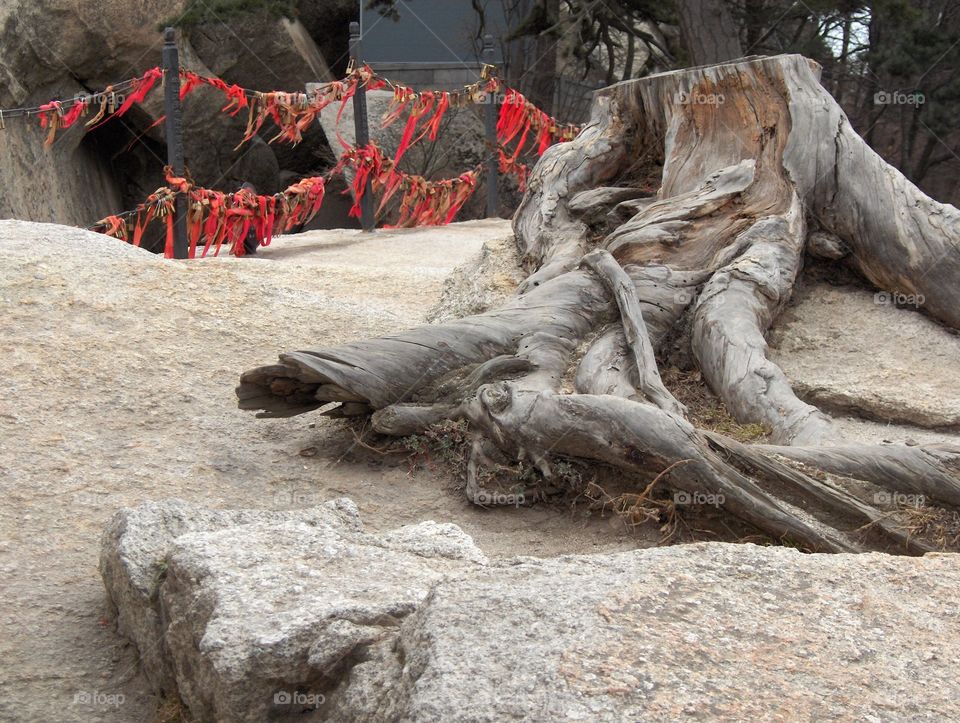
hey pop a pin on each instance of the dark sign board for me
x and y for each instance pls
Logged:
(432, 32)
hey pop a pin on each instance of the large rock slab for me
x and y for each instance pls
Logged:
(484, 282)
(118, 388)
(272, 615)
(851, 351)
(133, 562)
(708, 631)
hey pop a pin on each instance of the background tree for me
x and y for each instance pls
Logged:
(893, 65)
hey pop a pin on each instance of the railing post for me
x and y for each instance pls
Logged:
(367, 220)
(174, 129)
(490, 132)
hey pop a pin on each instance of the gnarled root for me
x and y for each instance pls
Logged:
(754, 483)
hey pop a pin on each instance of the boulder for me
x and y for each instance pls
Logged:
(96, 43)
(483, 283)
(68, 182)
(60, 48)
(328, 24)
(252, 615)
(265, 53)
(53, 50)
(133, 562)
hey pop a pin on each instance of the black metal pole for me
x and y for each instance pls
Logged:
(174, 128)
(367, 220)
(490, 131)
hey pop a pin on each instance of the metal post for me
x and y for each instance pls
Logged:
(171, 99)
(490, 132)
(367, 220)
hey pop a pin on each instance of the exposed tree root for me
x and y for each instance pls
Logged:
(634, 330)
(569, 366)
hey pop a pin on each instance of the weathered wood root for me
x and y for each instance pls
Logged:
(426, 365)
(731, 315)
(754, 483)
(635, 333)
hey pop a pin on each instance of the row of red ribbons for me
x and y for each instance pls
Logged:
(519, 120)
(216, 219)
(422, 202)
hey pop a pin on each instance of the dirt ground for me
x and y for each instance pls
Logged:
(118, 387)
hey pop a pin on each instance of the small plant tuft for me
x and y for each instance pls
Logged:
(446, 444)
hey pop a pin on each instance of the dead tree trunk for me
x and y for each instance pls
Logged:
(747, 157)
(708, 30)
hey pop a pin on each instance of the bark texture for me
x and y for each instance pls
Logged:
(708, 30)
(750, 160)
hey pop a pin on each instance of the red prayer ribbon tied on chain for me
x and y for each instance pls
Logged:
(215, 218)
(423, 202)
(53, 117)
(518, 116)
(291, 113)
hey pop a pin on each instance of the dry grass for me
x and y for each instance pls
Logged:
(706, 410)
(636, 510)
(171, 710)
(445, 445)
(934, 525)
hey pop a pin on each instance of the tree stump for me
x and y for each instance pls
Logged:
(684, 207)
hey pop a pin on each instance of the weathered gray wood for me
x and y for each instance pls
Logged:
(733, 312)
(401, 420)
(750, 151)
(595, 203)
(550, 237)
(635, 333)
(932, 470)
(641, 439)
(608, 366)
